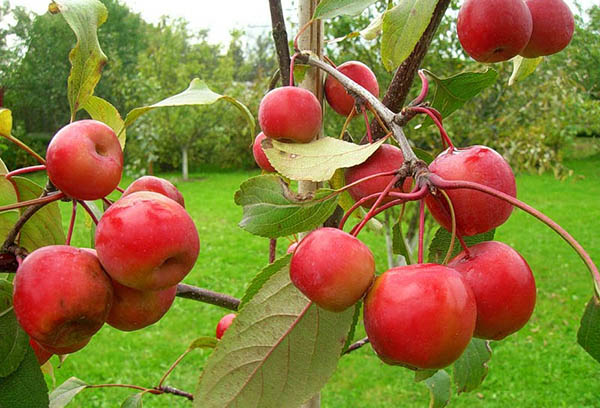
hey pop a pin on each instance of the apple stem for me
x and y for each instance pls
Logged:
(453, 231)
(364, 112)
(106, 202)
(40, 200)
(464, 246)
(424, 89)
(89, 211)
(329, 61)
(272, 249)
(436, 119)
(292, 62)
(120, 190)
(26, 148)
(356, 345)
(71, 223)
(172, 367)
(25, 170)
(383, 126)
(443, 184)
(369, 215)
(347, 122)
(421, 229)
(302, 29)
(362, 180)
(135, 387)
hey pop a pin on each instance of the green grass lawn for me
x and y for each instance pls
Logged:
(541, 366)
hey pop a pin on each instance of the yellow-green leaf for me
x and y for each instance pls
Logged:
(523, 67)
(103, 111)
(5, 122)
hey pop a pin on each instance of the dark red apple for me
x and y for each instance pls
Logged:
(62, 296)
(84, 160)
(147, 241)
(41, 354)
(494, 30)
(476, 212)
(420, 316)
(337, 97)
(156, 184)
(553, 26)
(259, 154)
(503, 285)
(290, 113)
(224, 324)
(332, 268)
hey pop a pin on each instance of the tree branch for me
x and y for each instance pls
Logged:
(281, 40)
(175, 391)
(207, 296)
(356, 346)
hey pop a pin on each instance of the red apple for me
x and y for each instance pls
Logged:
(62, 296)
(224, 324)
(332, 268)
(290, 113)
(553, 26)
(42, 354)
(134, 309)
(476, 212)
(259, 154)
(420, 316)
(65, 350)
(386, 158)
(147, 241)
(494, 30)
(340, 100)
(503, 285)
(84, 160)
(156, 184)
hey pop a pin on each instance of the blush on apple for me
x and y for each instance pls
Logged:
(156, 184)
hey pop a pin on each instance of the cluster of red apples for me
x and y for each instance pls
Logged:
(498, 30)
(145, 244)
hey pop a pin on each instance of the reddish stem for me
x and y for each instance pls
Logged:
(26, 148)
(292, 61)
(362, 180)
(329, 61)
(89, 211)
(369, 135)
(439, 182)
(417, 195)
(72, 223)
(438, 123)
(424, 89)
(369, 215)
(421, 229)
(25, 170)
(272, 250)
(302, 29)
(41, 200)
(463, 244)
(120, 190)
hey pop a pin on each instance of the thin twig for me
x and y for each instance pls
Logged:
(178, 392)
(281, 39)
(207, 296)
(356, 346)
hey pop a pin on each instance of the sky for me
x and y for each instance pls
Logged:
(220, 16)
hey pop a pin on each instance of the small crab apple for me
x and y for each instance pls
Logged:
(553, 26)
(62, 296)
(60, 351)
(158, 185)
(386, 158)
(476, 212)
(41, 354)
(420, 316)
(84, 160)
(290, 113)
(493, 30)
(259, 154)
(332, 268)
(147, 241)
(337, 97)
(503, 285)
(224, 324)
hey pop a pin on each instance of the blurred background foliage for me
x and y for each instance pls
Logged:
(533, 123)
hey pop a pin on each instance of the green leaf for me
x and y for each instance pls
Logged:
(317, 160)
(5, 126)
(133, 401)
(345, 199)
(441, 242)
(352, 331)
(471, 368)
(25, 387)
(398, 243)
(102, 110)
(588, 335)
(522, 68)
(272, 210)
(203, 342)
(278, 352)
(262, 277)
(423, 155)
(403, 26)
(453, 92)
(197, 93)
(332, 8)
(45, 226)
(64, 393)
(6, 291)
(422, 375)
(374, 28)
(8, 195)
(14, 342)
(439, 389)
(87, 59)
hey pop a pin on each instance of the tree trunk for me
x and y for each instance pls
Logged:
(184, 163)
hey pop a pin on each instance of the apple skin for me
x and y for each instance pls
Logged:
(259, 154)
(476, 212)
(42, 354)
(60, 351)
(290, 113)
(133, 309)
(503, 285)
(62, 296)
(494, 30)
(147, 241)
(84, 160)
(337, 97)
(224, 324)
(553, 26)
(420, 316)
(386, 158)
(332, 268)
(158, 185)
